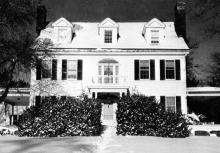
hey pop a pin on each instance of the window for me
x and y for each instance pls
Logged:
(170, 104)
(154, 36)
(62, 35)
(170, 69)
(72, 69)
(108, 36)
(144, 67)
(46, 69)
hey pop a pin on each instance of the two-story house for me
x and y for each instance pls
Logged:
(110, 58)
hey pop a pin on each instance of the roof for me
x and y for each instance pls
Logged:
(130, 37)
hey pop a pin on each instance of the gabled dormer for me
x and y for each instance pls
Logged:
(108, 31)
(63, 30)
(153, 31)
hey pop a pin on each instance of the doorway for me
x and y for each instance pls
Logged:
(108, 101)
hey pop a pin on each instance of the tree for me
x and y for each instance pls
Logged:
(214, 78)
(17, 41)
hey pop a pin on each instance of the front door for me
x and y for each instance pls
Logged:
(108, 101)
(108, 112)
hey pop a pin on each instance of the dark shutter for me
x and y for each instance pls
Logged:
(136, 69)
(162, 69)
(178, 104)
(38, 70)
(64, 69)
(152, 69)
(177, 65)
(80, 70)
(54, 69)
(37, 101)
(162, 102)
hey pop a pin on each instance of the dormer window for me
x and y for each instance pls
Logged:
(108, 31)
(154, 36)
(63, 31)
(62, 35)
(108, 36)
(153, 32)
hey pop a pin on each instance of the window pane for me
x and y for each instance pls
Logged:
(170, 104)
(116, 70)
(62, 34)
(46, 70)
(72, 70)
(100, 70)
(108, 36)
(108, 79)
(154, 36)
(108, 70)
(144, 69)
(170, 69)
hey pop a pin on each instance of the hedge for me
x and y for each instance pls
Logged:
(62, 117)
(144, 116)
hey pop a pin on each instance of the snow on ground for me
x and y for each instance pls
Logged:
(110, 143)
(14, 144)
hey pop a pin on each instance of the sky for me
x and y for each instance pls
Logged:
(138, 10)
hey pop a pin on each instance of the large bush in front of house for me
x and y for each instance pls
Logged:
(62, 117)
(140, 115)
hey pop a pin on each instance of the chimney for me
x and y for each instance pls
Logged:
(180, 19)
(41, 19)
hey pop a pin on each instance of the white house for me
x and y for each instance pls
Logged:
(110, 58)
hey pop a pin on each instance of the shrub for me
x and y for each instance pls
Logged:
(62, 117)
(140, 115)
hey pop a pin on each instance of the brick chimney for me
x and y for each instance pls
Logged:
(180, 19)
(41, 18)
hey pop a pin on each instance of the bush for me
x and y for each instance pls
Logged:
(140, 115)
(62, 117)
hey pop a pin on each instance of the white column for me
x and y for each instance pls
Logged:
(184, 104)
(115, 107)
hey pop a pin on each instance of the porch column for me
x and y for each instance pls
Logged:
(115, 107)
(12, 114)
(184, 104)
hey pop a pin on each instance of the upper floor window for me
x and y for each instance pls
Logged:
(170, 104)
(170, 69)
(108, 71)
(46, 69)
(144, 67)
(154, 36)
(72, 69)
(108, 36)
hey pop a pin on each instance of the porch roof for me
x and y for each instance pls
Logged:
(203, 91)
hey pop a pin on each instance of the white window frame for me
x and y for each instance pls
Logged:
(50, 64)
(166, 70)
(72, 70)
(155, 40)
(166, 106)
(140, 70)
(107, 37)
(101, 75)
(65, 37)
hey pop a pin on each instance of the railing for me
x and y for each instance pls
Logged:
(108, 80)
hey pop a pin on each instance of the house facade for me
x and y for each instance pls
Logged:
(113, 58)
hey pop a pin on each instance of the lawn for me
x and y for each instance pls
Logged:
(114, 144)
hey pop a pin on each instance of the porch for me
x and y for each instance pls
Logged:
(13, 106)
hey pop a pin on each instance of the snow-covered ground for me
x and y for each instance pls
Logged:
(111, 144)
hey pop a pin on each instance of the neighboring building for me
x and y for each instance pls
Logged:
(110, 58)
